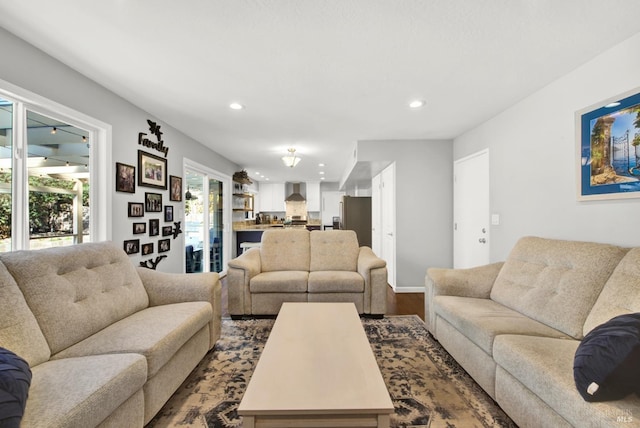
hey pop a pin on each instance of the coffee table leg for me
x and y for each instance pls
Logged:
(250, 421)
(384, 421)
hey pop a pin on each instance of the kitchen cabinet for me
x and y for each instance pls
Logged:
(313, 196)
(271, 196)
(330, 206)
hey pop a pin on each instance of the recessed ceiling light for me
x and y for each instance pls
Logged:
(236, 106)
(320, 164)
(321, 178)
(321, 172)
(614, 104)
(416, 103)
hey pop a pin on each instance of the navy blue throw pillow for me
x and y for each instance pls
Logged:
(15, 379)
(607, 362)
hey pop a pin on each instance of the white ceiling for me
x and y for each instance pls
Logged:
(320, 75)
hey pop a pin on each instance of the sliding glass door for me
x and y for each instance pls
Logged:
(207, 238)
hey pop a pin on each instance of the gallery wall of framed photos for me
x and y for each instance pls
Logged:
(152, 219)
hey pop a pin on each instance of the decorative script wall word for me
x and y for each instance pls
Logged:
(154, 128)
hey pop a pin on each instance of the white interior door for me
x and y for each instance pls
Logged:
(388, 212)
(471, 210)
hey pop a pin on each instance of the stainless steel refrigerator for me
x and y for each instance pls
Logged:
(355, 214)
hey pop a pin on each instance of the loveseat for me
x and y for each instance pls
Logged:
(295, 265)
(515, 326)
(107, 343)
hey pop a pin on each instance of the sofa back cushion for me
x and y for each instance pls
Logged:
(19, 330)
(620, 294)
(334, 250)
(285, 249)
(555, 282)
(78, 290)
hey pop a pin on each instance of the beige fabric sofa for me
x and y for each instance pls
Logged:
(515, 326)
(107, 343)
(295, 265)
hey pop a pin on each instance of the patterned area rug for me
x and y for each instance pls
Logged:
(427, 387)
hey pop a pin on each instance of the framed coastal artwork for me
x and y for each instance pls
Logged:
(608, 139)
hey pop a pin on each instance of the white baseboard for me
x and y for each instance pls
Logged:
(417, 289)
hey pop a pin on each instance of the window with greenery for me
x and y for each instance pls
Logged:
(46, 163)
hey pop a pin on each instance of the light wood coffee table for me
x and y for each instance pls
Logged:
(317, 369)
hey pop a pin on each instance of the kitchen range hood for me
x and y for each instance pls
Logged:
(295, 196)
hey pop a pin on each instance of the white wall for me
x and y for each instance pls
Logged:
(31, 69)
(424, 204)
(533, 158)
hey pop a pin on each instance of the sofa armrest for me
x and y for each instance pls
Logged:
(239, 273)
(167, 288)
(374, 271)
(472, 282)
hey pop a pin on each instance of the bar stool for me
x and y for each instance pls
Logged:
(244, 246)
(215, 261)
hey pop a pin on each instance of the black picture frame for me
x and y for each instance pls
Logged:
(167, 230)
(153, 202)
(164, 245)
(131, 246)
(175, 188)
(152, 170)
(154, 227)
(125, 178)
(147, 249)
(139, 228)
(135, 209)
(168, 213)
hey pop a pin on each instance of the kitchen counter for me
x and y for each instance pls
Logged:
(253, 232)
(255, 226)
(245, 227)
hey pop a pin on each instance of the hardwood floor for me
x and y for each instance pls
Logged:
(397, 303)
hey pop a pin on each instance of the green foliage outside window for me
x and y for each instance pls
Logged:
(48, 212)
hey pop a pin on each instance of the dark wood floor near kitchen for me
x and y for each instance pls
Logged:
(397, 303)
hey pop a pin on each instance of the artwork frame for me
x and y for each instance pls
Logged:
(147, 249)
(152, 170)
(608, 148)
(153, 202)
(139, 228)
(135, 209)
(125, 178)
(167, 230)
(175, 188)
(154, 227)
(164, 245)
(131, 246)
(168, 213)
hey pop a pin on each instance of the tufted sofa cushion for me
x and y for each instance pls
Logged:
(621, 293)
(19, 330)
(89, 289)
(283, 250)
(555, 282)
(324, 255)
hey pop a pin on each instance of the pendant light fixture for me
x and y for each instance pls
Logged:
(188, 196)
(291, 159)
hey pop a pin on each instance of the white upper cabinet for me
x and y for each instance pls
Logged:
(271, 197)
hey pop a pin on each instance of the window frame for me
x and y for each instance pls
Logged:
(100, 173)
